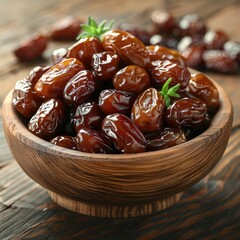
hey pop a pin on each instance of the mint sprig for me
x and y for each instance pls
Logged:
(167, 92)
(92, 29)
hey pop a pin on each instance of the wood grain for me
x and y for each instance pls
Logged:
(118, 185)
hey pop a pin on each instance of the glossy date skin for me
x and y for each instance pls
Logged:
(88, 115)
(65, 141)
(168, 137)
(162, 53)
(163, 70)
(116, 101)
(91, 141)
(48, 120)
(130, 48)
(201, 87)
(25, 100)
(84, 50)
(52, 83)
(125, 135)
(80, 88)
(36, 73)
(131, 79)
(148, 111)
(105, 65)
(187, 112)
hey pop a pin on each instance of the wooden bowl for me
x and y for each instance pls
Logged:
(108, 185)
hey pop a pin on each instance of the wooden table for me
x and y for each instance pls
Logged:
(208, 210)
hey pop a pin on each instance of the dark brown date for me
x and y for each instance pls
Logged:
(164, 22)
(125, 135)
(128, 47)
(65, 141)
(91, 141)
(36, 73)
(220, 61)
(186, 112)
(105, 65)
(88, 115)
(192, 25)
(166, 41)
(31, 48)
(202, 87)
(233, 50)
(116, 101)
(194, 55)
(148, 111)
(52, 83)
(84, 50)
(25, 100)
(162, 53)
(163, 70)
(66, 29)
(58, 55)
(131, 79)
(215, 39)
(48, 119)
(80, 88)
(167, 138)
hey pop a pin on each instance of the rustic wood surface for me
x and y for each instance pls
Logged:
(208, 210)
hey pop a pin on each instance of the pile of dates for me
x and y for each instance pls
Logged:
(109, 93)
(202, 48)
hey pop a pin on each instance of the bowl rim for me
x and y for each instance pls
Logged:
(16, 127)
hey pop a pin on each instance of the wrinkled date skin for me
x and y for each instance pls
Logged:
(48, 119)
(25, 100)
(168, 137)
(88, 115)
(215, 39)
(66, 29)
(58, 55)
(148, 111)
(163, 70)
(192, 25)
(52, 83)
(220, 61)
(201, 87)
(125, 135)
(91, 141)
(80, 88)
(84, 50)
(131, 79)
(36, 73)
(163, 22)
(187, 112)
(130, 48)
(116, 101)
(162, 53)
(31, 48)
(105, 65)
(194, 55)
(65, 141)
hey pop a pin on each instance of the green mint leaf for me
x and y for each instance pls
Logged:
(167, 92)
(92, 22)
(92, 29)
